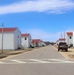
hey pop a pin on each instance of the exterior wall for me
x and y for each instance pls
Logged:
(68, 40)
(73, 38)
(29, 41)
(43, 44)
(60, 41)
(10, 40)
(26, 43)
(7, 41)
(36, 44)
(57, 43)
(40, 44)
(17, 39)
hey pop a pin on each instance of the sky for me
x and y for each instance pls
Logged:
(43, 19)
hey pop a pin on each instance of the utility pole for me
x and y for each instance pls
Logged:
(64, 36)
(2, 35)
(61, 35)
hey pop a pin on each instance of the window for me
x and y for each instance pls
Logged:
(70, 37)
(25, 38)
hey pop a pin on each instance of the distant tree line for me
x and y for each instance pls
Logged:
(49, 43)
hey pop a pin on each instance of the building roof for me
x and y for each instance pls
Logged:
(70, 33)
(25, 35)
(57, 41)
(36, 40)
(8, 29)
(62, 39)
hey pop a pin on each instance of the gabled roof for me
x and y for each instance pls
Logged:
(36, 41)
(25, 35)
(57, 41)
(8, 29)
(70, 33)
(62, 39)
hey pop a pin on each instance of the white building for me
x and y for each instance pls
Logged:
(37, 42)
(11, 38)
(60, 40)
(70, 38)
(43, 44)
(26, 40)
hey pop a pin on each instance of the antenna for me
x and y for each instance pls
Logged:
(61, 35)
(64, 35)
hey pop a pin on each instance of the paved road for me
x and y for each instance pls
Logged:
(42, 61)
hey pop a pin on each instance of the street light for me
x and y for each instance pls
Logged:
(2, 35)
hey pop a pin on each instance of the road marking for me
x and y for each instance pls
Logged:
(58, 60)
(60, 53)
(36, 61)
(63, 55)
(1, 62)
(39, 61)
(18, 61)
(54, 47)
(68, 62)
(64, 61)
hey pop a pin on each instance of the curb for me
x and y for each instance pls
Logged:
(8, 54)
(3, 56)
(16, 52)
(13, 53)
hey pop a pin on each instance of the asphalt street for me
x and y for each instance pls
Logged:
(41, 61)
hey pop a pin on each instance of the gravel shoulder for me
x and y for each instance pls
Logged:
(68, 55)
(7, 53)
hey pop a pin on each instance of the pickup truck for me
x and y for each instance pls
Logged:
(63, 46)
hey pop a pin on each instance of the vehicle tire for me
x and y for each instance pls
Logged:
(58, 49)
(66, 50)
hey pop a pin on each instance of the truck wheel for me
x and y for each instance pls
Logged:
(58, 49)
(66, 50)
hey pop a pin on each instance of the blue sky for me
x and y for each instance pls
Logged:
(44, 19)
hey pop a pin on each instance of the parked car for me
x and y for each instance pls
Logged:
(63, 46)
(31, 46)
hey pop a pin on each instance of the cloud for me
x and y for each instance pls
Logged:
(37, 33)
(46, 36)
(50, 6)
(41, 34)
